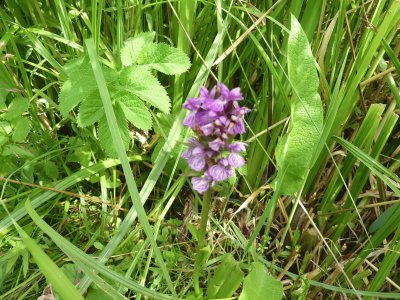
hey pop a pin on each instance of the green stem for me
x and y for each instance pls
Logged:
(201, 241)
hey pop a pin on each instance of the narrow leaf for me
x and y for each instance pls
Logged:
(119, 146)
(295, 151)
(164, 58)
(49, 269)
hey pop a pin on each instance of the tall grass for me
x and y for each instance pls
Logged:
(126, 228)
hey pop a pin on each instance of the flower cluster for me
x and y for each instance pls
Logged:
(216, 118)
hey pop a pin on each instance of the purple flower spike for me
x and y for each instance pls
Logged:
(216, 118)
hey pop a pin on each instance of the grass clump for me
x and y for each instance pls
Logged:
(94, 191)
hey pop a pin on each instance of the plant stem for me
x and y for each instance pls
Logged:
(201, 241)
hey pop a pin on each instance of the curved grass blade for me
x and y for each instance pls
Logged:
(119, 145)
(49, 269)
(78, 255)
(64, 184)
(164, 154)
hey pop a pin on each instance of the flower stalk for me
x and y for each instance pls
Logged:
(216, 119)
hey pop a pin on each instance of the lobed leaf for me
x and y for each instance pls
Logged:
(105, 134)
(139, 81)
(81, 84)
(21, 129)
(91, 110)
(134, 109)
(295, 151)
(17, 107)
(133, 47)
(164, 58)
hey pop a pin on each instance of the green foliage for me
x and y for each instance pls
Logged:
(226, 280)
(53, 274)
(130, 87)
(260, 285)
(294, 151)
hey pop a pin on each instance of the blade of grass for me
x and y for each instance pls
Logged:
(78, 255)
(164, 154)
(53, 274)
(117, 140)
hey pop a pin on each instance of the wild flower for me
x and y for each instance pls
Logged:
(216, 118)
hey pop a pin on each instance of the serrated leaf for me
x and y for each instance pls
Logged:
(259, 285)
(139, 81)
(295, 151)
(21, 130)
(134, 109)
(164, 58)
(90, 111)
(133, 46)
(81, 84)
(105, 134)
(17, 107)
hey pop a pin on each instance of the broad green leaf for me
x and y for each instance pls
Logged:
(164, 58)
(139, 81)
(295, 151)
(49, 269)
(133, 46)
(81, 84)
(134, 109)
(226, 280)
(105, 134)
(91, 110)
(21, 129)
(51, 169)
(17, 107)
(260, 285)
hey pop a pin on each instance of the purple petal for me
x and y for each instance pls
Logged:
(235, 94)
(204, 117)
(237, 128)
(187, 154)
(200, 184)
(207, 129)
(198, 151)
(237, 147)
(235, 160)
(190, 120)
(216, 144)
(193, 103)
(215, 105)
(223, 89)
(218, 173)
(196, 163)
